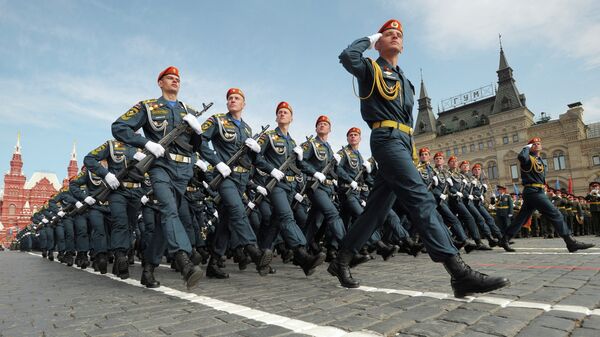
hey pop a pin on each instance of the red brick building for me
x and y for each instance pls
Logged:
(20, 198)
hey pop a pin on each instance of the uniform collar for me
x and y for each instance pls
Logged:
(230, 117)
(280, 133)
(386, 64)
(163, 101)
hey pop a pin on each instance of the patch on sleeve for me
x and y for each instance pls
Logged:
(131, 112)
(98, 149)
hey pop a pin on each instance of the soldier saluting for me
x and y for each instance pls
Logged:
(170, 172)
(386, 105)
(533, 176)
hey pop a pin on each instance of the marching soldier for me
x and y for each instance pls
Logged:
(171, 170)
(318, 154)
(479, 189)
(533, 175)
(593, 199)
(276, 146)
(124, 200)
(388, 112)
(457, 205)
(82, 187)
(504, 208)
(228, 133)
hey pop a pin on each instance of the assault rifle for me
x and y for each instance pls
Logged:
(216, 181)
(138, 170)
(271, 184)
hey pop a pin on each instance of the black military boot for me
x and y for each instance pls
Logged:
(50, 255)
(340, 268)
(386, 251)
(505, 243)
(44, 254)
(307, 262)
(261, 258)
(148, 276)
(191, 273)
(481, 246)
(111, 257)
(466, 281)
(287, 255)
(469, 246)
(131, 256)
(241, 258)
(411, 247)
(331, 254)
(84, 260)
(493, 242)
(195, 257)
(574, 245)
(121, 265)
(204, 254)
(101, 262)
(61, 256)
(69, 258)
(213, 270)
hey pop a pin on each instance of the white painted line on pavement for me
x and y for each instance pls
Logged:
(546, 248)
(292, 324)
(499, 301)
(549, 253)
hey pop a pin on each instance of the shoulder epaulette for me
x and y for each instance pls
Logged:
(152, 100)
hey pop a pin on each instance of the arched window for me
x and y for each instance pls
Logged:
(12, 209)
(560, 162)
(492, 170)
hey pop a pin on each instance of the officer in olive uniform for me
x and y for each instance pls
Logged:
(276, 147)
(533, 175)
(171, 170)
(228, 133)
(504, 208)
(386, 105)
(317, 155)
(124, 200)
(593, 199)
(82, 187)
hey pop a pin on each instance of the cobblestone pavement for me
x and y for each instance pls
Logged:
(553, 293)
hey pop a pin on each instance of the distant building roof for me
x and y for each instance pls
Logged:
(37, 176)
(593, 130)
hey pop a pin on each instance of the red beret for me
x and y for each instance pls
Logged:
(353, 129)
(534, 140)
(283, 105)
(439, 154)
(425, 149)
(323, 118)
(475, 166)
(169, 71)
(452, 158)
(464, 162)
(235, 91)
(391, 24)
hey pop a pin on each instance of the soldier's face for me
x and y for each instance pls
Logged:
(439, 161)
(424, 157)
(283, 116)
(537, 147)
(323, 128)
(464, 167)
(169, 83)
(391, 40)
(452, 164)
(235, 103)
(353, 138)
(477, 171)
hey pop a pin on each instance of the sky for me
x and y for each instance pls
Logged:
(70, 68)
